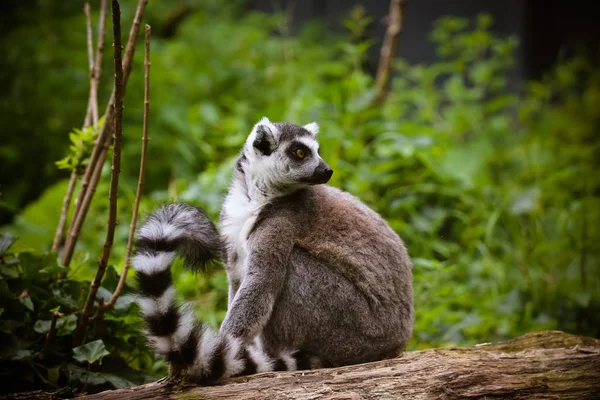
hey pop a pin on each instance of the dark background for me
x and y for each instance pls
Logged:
(544, 27)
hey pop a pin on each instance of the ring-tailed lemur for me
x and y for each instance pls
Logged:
(316, 278)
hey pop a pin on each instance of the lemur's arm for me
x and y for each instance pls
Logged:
(269, 246)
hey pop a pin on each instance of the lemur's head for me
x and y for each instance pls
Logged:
(281, 157)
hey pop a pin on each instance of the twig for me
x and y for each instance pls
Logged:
(83, 200)
(81, 263)
(96, 173)
(64, 210)
(388, 49)
(51, 335)
(41, 377)
(99, 320)
(90, 51)
(116, 169)
(140, 185)
(73, 178)
(584, 234)
(95, 76)
(52, 332)
(92, 109)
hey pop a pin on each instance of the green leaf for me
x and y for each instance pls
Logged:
(21, 354)
(90, 352)
(32, 264)
(26, 301)
(103, 294)
(66, 325)
(10, 272)
(6, 240)
(6, 326)
(124, 302)
(42, 326)
(82, 376)
(77, 374)
(53, 374)
(117, 381)
(582, 298)
(53, 268)
(64, 299)
(525, 201)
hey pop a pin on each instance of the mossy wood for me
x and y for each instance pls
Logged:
(542, 365)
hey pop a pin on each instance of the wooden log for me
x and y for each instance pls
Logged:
(542, 365)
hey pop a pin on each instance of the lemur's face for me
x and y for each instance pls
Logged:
(284, 156)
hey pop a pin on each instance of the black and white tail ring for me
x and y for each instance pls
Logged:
(189, 346)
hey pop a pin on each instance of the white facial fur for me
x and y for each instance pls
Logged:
(278, 171)
(313, 128)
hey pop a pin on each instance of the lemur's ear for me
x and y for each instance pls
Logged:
(264, 139)
(313, 128)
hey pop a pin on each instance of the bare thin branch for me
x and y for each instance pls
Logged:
(95, 76)
(116, 169)
(91, 114)
(97, 172)
(101, 34)
(87, 190)
(584, 234)
(388, 49)
(51, 335)
(90, 44)
(64, 211)
(90, 51)
(140, 184)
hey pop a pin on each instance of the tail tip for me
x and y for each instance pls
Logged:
(183, 228)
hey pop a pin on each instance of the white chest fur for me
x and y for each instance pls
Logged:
(238, 217)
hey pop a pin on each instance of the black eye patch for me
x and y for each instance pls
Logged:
(298, 148)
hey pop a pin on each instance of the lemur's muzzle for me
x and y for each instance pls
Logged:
(322, 173)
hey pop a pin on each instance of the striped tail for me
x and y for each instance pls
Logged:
(190, 347)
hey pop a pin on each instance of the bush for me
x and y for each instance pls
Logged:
(39, 317)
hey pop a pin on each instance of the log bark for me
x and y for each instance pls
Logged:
(542, 365)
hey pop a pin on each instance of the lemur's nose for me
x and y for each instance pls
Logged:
(322, 173)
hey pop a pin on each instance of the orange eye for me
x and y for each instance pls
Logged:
(299, 153)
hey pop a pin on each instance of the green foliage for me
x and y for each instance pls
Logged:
(45, 83)
(82, 142)
(90, 352)
(494, 191)
(39, 317)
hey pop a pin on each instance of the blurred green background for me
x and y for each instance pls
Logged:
(491, 180)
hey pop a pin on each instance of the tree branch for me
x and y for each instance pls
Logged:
(548, 365)
(95, 65)
(98, 63)
(51, 335)
(116, 169)
(62, 221)
(140, 184)
(99, 153)
(90, 51)
(92, 109)
(388, 49)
